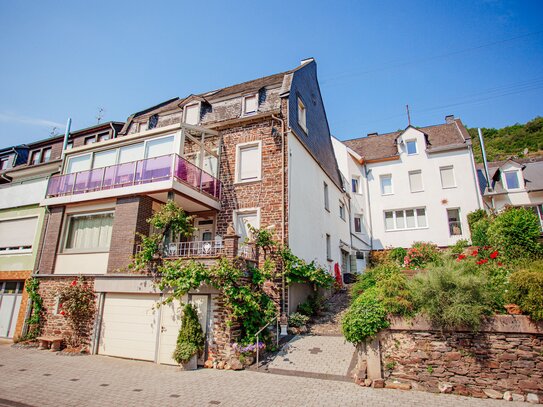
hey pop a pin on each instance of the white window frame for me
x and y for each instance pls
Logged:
(381, 177)
(20, 250)
(518, 180)
(302, 114)
(359, 216)
(405, 219)
(66, 227)
(342, 210)
(199, 104)
(407, 146)
(421, 181)
(447, 167)
(459, 221)
(237, 171)
(38, 154)
(243, 111)
(328, 242)
(326, 196)
(242, 211)
(358, 185)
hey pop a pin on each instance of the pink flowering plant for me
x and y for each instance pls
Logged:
(420, 255)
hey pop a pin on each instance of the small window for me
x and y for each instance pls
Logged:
(248, 162)
(328, 247)
(46, 155)
(411, 147)
(415, 181)
(103, 137)
(342, 210)
(153, 121)
(4, 163)
(355, 185)
(386, 184)
(405, 219)
(89, 232)
(89, 140)
(302, 115)
(250, 104)
(455, 226)
(326, 199)
(511, 179)
(360, 256)
(358, 224)
(243, 219)
(35, 157)
(70, 145)
(192, 114)
(447, 177)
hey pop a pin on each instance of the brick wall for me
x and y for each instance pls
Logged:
(131, 216)
(53, 324)
(20, 276)
(503, 360)
(50, 241)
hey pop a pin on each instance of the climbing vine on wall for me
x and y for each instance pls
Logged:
(33, 321)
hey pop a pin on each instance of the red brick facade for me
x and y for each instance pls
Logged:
(51, 240)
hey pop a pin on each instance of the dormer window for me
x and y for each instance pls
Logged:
(302, 115)
(4, 163)
(512, 179)
(411, 146)
(192, 114)
(35, 157)
(89, 140)
(153, 121)
(103, 137)
(250, 105)
(46, 154)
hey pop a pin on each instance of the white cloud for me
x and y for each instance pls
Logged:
(32, 121)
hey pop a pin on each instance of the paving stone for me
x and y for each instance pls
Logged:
(197, 388)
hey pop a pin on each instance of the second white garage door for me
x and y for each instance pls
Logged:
(129, 326)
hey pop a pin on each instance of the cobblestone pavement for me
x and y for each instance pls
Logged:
(315, 356)
(29, 377)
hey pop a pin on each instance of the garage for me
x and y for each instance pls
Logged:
(10, 305)
(133, 327)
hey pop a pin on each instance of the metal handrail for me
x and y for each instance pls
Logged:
(276, 318)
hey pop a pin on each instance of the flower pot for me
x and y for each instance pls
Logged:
(192, 364)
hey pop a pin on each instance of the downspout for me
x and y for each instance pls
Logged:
(283, 296)
(368, 204)
(66, 135)
(485, 163)
(114, 131)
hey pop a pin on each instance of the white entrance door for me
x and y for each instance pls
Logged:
(10, 305)
(205, 228)
(129, 326)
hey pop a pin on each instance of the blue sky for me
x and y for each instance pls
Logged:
(481, 60)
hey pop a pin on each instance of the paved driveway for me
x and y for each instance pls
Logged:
(42, 378)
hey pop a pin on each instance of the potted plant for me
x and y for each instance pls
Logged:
(190, 341)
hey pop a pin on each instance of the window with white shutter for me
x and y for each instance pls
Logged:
(17, 234)
(104, 158)
(159, 147)
(79, 163)
(415, 181)
(192, 114)
(250, 104)
(248, 166)
(244, 218)
(447, 177)
(130, 153)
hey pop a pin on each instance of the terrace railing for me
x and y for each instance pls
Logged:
(132, 173)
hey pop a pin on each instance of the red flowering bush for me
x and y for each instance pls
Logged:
(421, 254)
(77, 303)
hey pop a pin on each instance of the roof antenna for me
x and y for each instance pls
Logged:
(100, 114)
(53, 132)
(408, 115)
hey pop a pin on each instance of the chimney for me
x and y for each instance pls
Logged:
(307, 60)
(449, 119)
(372, 134)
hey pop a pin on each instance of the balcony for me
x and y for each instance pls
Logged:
(158, 171)
(204, 249)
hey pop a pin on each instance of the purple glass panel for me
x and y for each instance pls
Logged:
(124, 175)
(60, 185)
(188, 172)
(87, 181)
(154, 169)
(109, 176)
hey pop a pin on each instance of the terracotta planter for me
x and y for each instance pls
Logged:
(192, 364)
(513, 309)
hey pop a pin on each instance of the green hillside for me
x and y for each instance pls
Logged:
(520, 140)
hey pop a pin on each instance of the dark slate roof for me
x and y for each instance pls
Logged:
(532, 170)
(378, 147)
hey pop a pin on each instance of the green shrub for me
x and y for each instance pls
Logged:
(365, 318)
(397, 254)
(526, 290)
(459, 246)
(515, 232)
(297, 320)
(476, 216)
(370, 277)
(479, 232)
(306, 308)
(452, 298)
(190, 340)
(393, 292)
(422, 253)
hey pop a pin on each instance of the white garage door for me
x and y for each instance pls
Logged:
(129, 326)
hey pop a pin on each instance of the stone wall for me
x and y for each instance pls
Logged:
(503, 360)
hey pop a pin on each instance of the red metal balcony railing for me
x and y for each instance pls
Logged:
(135, 173)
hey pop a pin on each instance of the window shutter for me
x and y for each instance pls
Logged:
(81, 163)
(160, 147)
(415, 181)
(447, 177)
(104, 159)
(192, 114)
(131, 153)
(249, 163)
(17, 232)
(251, 104)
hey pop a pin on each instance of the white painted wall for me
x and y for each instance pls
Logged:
(86, 263)
(309, 221)
(23, 193)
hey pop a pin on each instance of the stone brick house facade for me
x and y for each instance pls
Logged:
(227, 156)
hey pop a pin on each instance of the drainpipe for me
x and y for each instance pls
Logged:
(485, 163)
(284, 313)
(114, 131)
(368, 204)
(66, 135)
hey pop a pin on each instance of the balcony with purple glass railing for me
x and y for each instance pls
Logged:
(132, 173)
